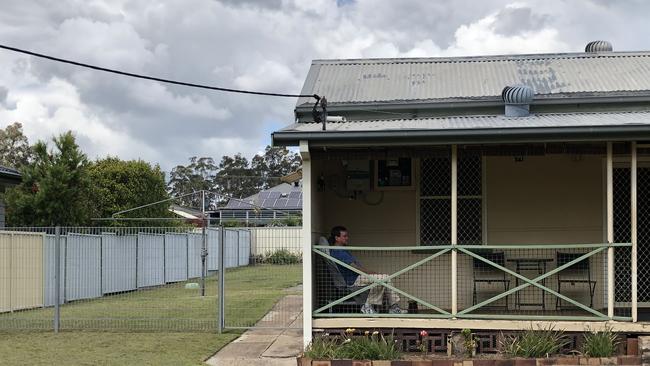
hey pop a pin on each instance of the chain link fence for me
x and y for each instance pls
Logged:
(141, 278)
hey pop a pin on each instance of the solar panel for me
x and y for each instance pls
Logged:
(293, 203)
(282, 202)
(263, 195)
(295, 194)
(275, 195)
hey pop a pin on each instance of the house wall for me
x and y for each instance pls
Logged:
(553, 199)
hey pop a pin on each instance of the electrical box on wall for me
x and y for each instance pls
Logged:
(357, 175)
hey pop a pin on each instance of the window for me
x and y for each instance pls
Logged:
(435, 200)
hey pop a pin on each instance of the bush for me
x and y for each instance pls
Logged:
(540, 342)
(600, 344)
(322, 348)
(282, 256)
(370, 346)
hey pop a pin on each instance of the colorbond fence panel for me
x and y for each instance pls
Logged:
(119, 255)
(231, 248)
(194, 255)
(244, 247)
(213, 249)
(175, 257)
(49, 265)
(83, 267)
(266, 240)
(27, 271)
(151, 260)
(5, 272)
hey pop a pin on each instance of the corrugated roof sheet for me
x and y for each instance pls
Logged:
(482, 122)
(9, 171)
(396, 80)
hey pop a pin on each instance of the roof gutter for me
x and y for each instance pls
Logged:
(464, 136)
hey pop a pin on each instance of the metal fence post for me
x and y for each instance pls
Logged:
(204, 255)
(221, 281)
(57, 281)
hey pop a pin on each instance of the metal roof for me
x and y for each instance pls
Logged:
(432, 79)
(9, 172)
(458, 129)
(281, 197)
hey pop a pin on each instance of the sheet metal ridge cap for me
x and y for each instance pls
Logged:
(483, 58)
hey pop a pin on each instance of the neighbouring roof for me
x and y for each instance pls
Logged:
(10, 173)
(468, 129)
(421, 80)
(281, 197)
(186, 212)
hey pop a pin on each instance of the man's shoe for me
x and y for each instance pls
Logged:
(368, 309)
(395, 309)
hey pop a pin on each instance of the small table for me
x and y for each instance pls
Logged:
(527, 265)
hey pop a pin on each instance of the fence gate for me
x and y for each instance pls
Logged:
(267, 293)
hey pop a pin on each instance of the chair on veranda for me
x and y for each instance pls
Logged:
(484, 273)
(332, 285)
(578, 273)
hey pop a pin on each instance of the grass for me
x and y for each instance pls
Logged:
(187, 319)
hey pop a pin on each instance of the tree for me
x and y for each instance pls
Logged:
(235, 178)
(276, 162)
(15, 151)
(197, 176)
(120, 185)
(55, 189)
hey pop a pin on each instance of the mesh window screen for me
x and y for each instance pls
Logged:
(435, 200)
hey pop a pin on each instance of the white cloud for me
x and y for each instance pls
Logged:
(263, 45)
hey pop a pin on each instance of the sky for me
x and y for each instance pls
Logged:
(264, 45)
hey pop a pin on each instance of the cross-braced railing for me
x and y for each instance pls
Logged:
(543, 282)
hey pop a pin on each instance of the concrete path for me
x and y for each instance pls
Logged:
(274, 347)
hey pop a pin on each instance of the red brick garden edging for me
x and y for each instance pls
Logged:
(590, 361)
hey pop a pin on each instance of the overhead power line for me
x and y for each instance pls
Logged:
(146, 77)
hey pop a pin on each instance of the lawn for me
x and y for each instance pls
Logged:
(166, 325)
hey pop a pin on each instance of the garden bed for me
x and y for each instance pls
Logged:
(542, 346)
(595, 361)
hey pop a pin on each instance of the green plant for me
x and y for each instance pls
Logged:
(540, 342)
(322, 348)
(600, 343)
(283, 256)
(370, 346)
(468, 341)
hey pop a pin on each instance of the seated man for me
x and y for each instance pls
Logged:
(339, 237)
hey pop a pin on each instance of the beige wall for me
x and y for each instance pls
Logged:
(390, 223)
(544, 199)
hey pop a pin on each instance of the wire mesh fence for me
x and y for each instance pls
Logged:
(552, 281)
(271, 281)
(140, 278)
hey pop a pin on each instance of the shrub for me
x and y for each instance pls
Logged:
(540, 342)
(370, 346)
(322, 348)
(283, 256)
(600, 344)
